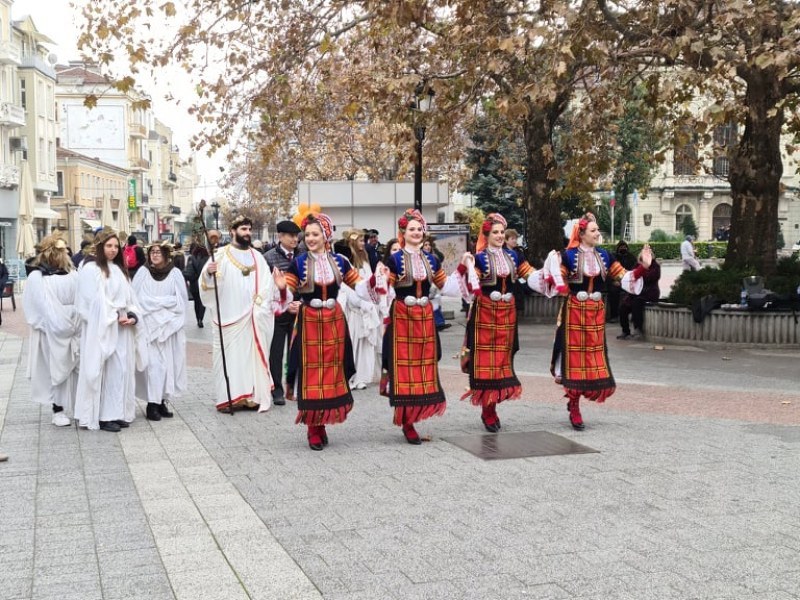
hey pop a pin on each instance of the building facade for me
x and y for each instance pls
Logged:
(84, 184)
(37, 80)
(12, 118)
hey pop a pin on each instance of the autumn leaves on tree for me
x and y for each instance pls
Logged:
(322, 90)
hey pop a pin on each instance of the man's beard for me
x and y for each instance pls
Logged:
(243, 241)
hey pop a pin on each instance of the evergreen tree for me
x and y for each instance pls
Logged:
(494, 160)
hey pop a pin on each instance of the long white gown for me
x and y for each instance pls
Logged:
(366, 330)
(163, 304)
(49, 304)
(110, 352)
(246, 304)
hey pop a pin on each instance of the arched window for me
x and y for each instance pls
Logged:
(683, 211)
(721, 220)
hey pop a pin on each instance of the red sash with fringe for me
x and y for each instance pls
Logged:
(491, 340)
(585, 366)
(413, 388)
(324, 394)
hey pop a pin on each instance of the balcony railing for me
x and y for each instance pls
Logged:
(139, 164)
(138, 131)
(9, 54)
(34, 61)
(9, 177)
(11, 115)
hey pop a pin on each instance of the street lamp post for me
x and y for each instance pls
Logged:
(215, 207)
(423, 103)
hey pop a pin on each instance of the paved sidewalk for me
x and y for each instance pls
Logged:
(694, 493)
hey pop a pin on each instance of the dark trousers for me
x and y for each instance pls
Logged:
(282, 334)
(632, 306)
(613, 301)
(438, 317)
(199, 308)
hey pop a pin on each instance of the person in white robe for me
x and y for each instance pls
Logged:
(49, 304)
(161, 293)
(364, 320)
(112, 346)
(248, 300)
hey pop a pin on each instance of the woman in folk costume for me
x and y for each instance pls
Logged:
(491, 338)
(580, 356)
(49, 303)
(363, 318)
(161, 291)
(411, 348)
(112, 344)
(321, 354)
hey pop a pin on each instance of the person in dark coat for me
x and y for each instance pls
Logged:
(626, 259)
(280, 257)
(633, 305)
(197, 260)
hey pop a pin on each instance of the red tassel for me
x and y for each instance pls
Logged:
(406, 415)
(323, 417)
(487, 397)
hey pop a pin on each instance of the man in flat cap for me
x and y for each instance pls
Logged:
(280, 257)
(247, 299)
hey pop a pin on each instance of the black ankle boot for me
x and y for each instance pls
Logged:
(164, 411)
(153, 412)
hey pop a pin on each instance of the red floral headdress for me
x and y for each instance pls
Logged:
(411, 214)
(578, 228)
(491, 220)
(321, 219)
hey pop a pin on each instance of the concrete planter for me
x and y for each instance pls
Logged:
(541, 309)
(674, 324)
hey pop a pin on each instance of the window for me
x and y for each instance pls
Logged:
(685, 157)
(724, 137)
(23, 95)
(60, 184)
(683, 211)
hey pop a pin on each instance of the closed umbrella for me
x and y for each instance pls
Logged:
(123, 218)
(108, 218)
(26, 238)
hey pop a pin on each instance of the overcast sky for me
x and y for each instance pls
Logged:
(57, 20)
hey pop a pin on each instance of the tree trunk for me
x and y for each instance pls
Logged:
(755, 174)
(544, 228)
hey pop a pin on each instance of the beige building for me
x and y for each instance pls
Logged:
(12, 119)
(114, 132)
(83, 185)
(37, 80)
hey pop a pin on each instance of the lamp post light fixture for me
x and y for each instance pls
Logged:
(423, 102)
(215, 207)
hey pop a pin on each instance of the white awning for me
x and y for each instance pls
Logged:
(179, 218)
(41, 212)
(92, 223)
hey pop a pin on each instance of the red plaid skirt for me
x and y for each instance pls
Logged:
(584, 356)
(411, 357)
(321, 363)
(491, 342)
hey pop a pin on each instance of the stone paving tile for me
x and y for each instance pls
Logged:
(674, 506)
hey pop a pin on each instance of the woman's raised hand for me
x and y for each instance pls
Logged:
(280, 280)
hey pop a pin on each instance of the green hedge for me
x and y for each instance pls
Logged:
(670, 250)
(726, 284)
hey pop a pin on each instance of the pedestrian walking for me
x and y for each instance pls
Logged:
(321, 354)
(411, 347)
(581, 273)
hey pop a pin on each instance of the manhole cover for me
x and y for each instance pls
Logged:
(518, 445)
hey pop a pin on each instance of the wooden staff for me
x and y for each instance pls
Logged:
(200, 210)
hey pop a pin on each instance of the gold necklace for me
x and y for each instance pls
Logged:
(244, 269)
